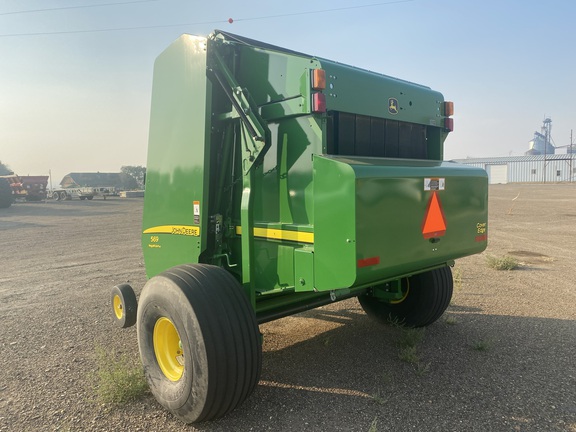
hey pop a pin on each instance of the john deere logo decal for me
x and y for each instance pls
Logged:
(393, 106)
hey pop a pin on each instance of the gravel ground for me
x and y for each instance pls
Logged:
(502, 358)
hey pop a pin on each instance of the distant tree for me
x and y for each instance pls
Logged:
(4, 169)
(128, 182)
(133, 177)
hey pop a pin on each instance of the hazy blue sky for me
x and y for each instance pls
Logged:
(79, 101)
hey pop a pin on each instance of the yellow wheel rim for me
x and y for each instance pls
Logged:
(405, 290)
(118, 307)
(168, 349)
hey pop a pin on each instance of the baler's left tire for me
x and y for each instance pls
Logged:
(199, 341)
(426, 297)
(124, 305)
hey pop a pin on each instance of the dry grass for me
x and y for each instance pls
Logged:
(374, 425)
(505, 262)
(118, 378)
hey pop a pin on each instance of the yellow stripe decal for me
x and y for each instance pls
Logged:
(278, 234)
(185, 230)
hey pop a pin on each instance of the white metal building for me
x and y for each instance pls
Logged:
(552, 168)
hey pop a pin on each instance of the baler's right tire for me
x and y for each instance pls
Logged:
(5, 194)
(426, 297)
(63, 196)
(199, 341)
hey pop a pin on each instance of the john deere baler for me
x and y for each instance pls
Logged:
(278, 182)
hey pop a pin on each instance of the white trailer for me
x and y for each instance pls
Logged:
(68, 193)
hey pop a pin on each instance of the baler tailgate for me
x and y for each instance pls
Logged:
(393, 217)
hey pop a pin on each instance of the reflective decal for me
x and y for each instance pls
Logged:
(393, 106)
(196, 212)
(434, 224)
(185, 230)
(431, 184)
(280, 234)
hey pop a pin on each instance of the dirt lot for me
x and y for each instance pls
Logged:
(502, 358)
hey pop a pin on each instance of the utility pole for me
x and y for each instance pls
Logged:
(571, 157)
(545, 132)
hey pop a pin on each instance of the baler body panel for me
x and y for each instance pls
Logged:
(333, 200)
(284, 182)
(362, 92)
(177, 174)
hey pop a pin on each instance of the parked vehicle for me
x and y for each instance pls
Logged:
(6, 197)
(28, 188)
(82, 193)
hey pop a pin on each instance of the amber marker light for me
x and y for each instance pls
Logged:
(318, 79)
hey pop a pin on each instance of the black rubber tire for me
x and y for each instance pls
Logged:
(6, 198)
(124, 305)
(55, 196)
(428, 297)
(90, 197)
(63, 196)
(219, 337)
(82, 198)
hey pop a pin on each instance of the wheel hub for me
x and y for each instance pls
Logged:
(118, 309)
(168, 349)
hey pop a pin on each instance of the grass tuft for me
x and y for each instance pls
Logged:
(374, 425)
(119, 379)
(481, 345)
(457, 278)
(422, 369)
(410, 337)
(409, 354)
(408, 343)
(379, 399)
(502, 263)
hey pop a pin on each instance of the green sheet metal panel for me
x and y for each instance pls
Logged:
(279, 81)
(393, 202)
(372, 227)
(283, 187)
(334, 224)
(359, 91)
(175, 203)
(303, 269)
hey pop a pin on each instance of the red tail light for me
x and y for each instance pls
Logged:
(318, 102)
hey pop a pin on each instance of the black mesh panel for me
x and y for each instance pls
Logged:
(357, 135)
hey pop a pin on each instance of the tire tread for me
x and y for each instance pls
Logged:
(231, 338)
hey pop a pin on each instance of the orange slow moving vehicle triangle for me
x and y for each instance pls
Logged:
(434, 224)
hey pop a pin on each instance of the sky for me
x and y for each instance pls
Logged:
(75, 81)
